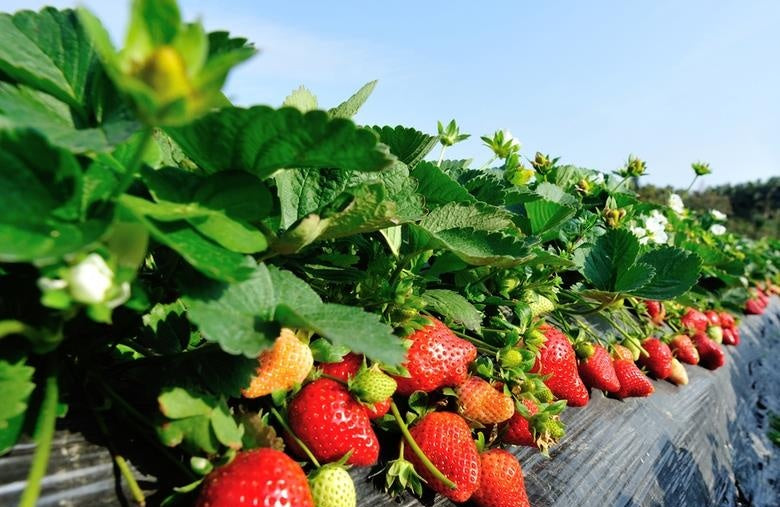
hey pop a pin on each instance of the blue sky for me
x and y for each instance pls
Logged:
(670, 81)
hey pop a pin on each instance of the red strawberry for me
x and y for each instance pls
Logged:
(684, 349)
(597, 371)
(658, 359)
(735, 332)
(710, 354)
(713, 317)
(656, 310)
(730, 337)
(481, 402)
(532, 427)
(633, 383)
(694, 320)
(445, 438)
(344, 369)
(557, 359)
(347, 368)
(331, 423)
(259, 477)
(437, 358)
(502, 483)
(518, 430)
(753, 307)
(727, 320)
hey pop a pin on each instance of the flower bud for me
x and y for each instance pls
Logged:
(90, 280)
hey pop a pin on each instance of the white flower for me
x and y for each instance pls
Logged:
(640, 233)
(675, 202)
(509, 138)
(718, 215)
(90, 280)
(598, 178)
(717, 229)
(658, 237)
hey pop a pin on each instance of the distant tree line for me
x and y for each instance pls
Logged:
(753, 208)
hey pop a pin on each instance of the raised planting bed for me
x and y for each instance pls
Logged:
(701, 444)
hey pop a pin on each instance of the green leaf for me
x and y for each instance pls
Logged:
(299, 306)
(611, 264)
(244, 318)
(548, 212)
(16, 385)
(49, 51)
(473, 246)
(198, 421)
(478, 216)
(349, 107)
(204, 255)
(25, 107)
(676, 271)
(42, 217)
(454, 307)
(238, 316)
(408, 144)
(438, 187)
(302, 99)
(261, 140)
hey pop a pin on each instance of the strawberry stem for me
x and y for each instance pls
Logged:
(479, 343)
(44, 434)
(417, 451)
(297, 440)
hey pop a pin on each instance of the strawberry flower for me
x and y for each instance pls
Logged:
(675, 202)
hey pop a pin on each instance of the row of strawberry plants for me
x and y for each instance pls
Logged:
(229, 283)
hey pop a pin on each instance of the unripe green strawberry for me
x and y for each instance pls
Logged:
(715, 333)
(511, 358)
(331, 486)
(372, 385)
(539, 304)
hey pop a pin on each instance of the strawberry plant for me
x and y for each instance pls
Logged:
(228, 286)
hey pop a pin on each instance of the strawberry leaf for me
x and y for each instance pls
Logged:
(408, 144)
(454, 307)
(262, 140)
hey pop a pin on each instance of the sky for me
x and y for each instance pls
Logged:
(592, 82)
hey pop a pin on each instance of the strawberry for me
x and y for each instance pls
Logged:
(344, 369)
(715, 333)
(597, 371)
(557, 359)
(436, 358)
(445, 438)
(331, 423)
(694, 320)
(658, 359)
(372, 385)
(733, 336)
(678, 376)
(540, 305)
(282, 366)
(684, 349)
(713, 317)
(710, 354)
(258, 477)
(481, 402)
(332, 486)
(502, 483)
(727, 320)
(533, 427)
(753, 307)
(349, 367)
(633, 383)
(656, 310)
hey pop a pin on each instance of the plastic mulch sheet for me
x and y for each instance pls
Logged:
(699, 445)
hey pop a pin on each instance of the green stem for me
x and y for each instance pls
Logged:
(619, 329)
(441, 155)
(695, 177)
(135, 489)
(121, 463)
(135, 162)
(44, 434)
(475, 341)
(10, 327)
(292, 434)
(417, 451)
